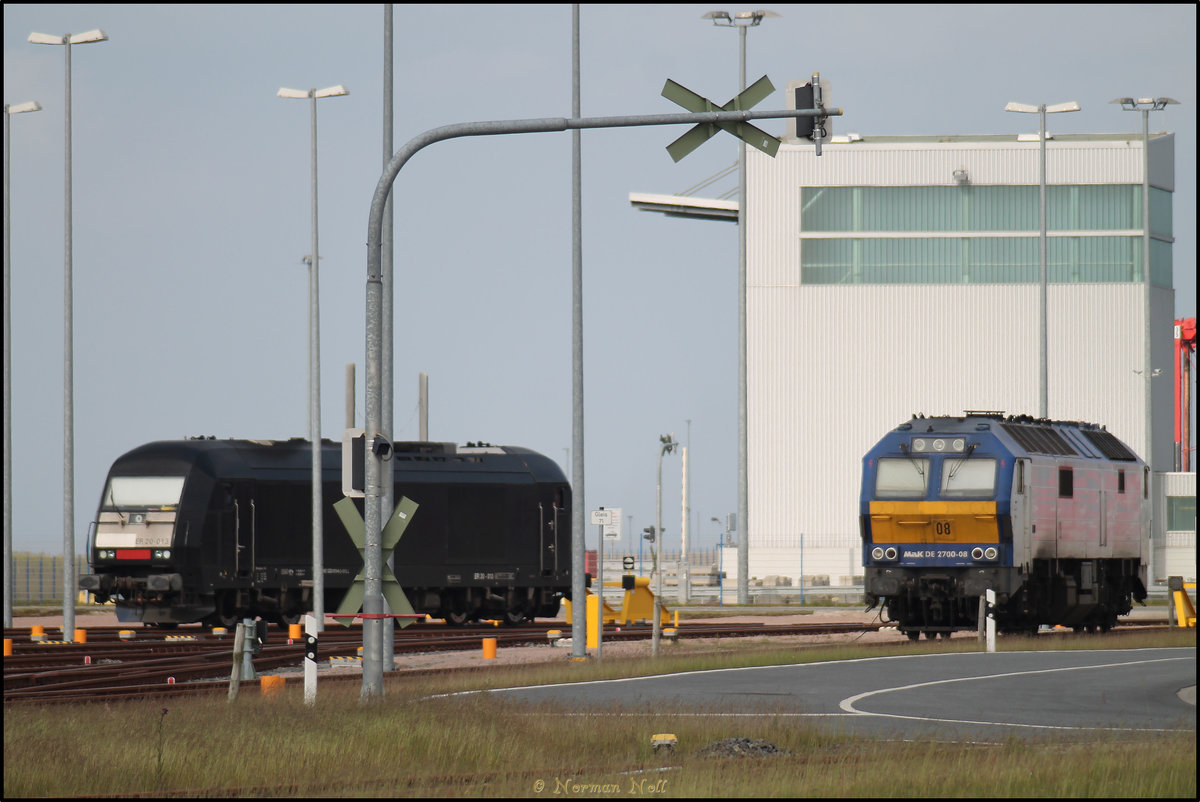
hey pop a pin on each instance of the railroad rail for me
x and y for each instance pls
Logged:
(163, 663)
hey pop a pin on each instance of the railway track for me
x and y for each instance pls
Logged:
(184, 662)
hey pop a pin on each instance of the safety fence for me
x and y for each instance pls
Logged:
(38, 578)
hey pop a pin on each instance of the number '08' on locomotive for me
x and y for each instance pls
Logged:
(215, 530)
(1051, 515)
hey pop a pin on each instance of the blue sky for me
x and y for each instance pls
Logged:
(192, 214)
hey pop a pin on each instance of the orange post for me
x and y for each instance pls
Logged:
(81, 635)
(272, 685)
(489, 648)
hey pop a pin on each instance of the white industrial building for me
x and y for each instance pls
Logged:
(898, 275)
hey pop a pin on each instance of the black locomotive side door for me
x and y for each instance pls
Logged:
(551, 521)
(243, 534)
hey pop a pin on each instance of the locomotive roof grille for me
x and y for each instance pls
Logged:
(1109, 446)
(1041, 439)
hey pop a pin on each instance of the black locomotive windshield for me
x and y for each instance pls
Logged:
(902, 478)
(142, 492)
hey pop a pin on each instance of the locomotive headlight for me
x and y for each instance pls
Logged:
(959, 444)
(990, 553)
(976, 553)
(877, 553)
(890, 553)
(919, 444)
(939, 445)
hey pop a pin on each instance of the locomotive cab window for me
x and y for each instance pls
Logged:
(902, 478)
(1066, 483)
(143, 492)
(969, 477)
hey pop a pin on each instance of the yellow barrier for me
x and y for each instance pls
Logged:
(638, 605)
(294, 632)
(8, 647)
(81, 636)
(1185, 613)
(489, 648)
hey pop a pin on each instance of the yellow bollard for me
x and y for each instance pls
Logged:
(80, 635)
(489, 648)
(294, 632)
(272, 685)
(37, 632)
(8, 647)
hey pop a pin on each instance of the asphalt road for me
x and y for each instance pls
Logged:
(972, 696)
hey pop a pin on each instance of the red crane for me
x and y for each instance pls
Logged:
(1185, 344)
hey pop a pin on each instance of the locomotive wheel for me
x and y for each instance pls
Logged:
(287, 619)
(914, 635)
(515, 618)
(457, 619)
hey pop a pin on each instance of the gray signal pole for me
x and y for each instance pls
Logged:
(578, 589)
(378, 446)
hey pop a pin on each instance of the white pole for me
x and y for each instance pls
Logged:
(684, 584)
(310, 660)
(991, 620)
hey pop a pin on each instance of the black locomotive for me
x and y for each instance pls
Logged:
(215, 530)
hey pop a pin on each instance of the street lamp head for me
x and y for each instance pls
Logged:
(18, 108)
(741, 19)
(1024, 108)
(332, 91)
(95, 35)
(1144, 103)
(1070, 105)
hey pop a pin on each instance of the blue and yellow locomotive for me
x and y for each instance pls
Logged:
(1051, 515)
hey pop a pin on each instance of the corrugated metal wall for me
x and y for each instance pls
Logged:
(832, 368)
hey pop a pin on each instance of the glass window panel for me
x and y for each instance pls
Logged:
(124, 492)
(826, 209)
(1161, 222)
(969, 477)
(1005, 209)
(902, 478)
(1002, 260)
(1181, 513)
(1161, 270)
(826, 261)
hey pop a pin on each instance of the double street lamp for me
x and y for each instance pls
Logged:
(1043, 369)
(1146, 105)
(314, 365)
(69, 589)
(741, 20)
(17, 108)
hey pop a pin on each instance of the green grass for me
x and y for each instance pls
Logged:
(408, 744)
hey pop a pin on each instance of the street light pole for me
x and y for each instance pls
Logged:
(1043, 347)
(69, 589)
(742, 20)
(18, 108)
(1146, 105)
(314, 366)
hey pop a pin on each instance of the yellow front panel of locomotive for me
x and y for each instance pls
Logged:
(934, 522)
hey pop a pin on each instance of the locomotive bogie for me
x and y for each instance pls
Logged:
(491, 537)
(1061, 534)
